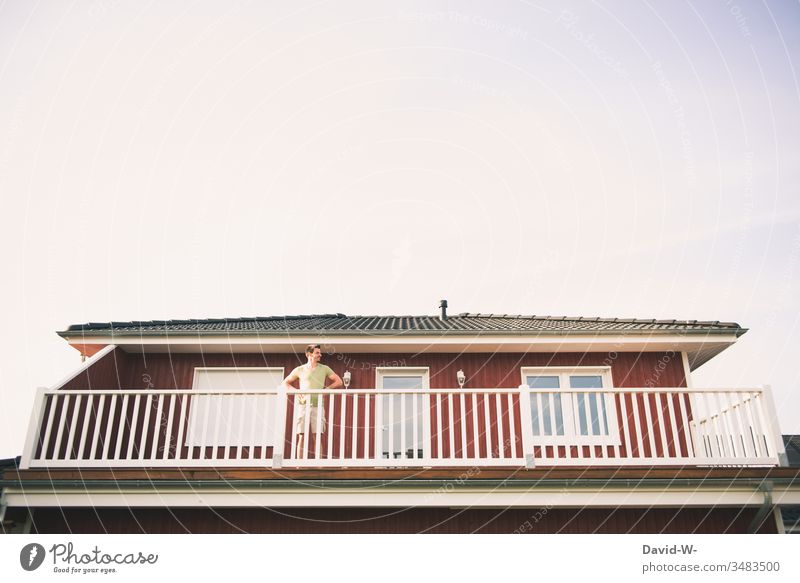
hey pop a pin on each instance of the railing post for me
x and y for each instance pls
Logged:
(279, 436)
(527, 426)
(34, 429)
(774, 426)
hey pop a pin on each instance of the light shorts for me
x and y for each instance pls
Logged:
(312, 419)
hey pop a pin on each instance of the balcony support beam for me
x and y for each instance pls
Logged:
(434, 494)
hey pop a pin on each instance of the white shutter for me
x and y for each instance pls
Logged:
(247, 420)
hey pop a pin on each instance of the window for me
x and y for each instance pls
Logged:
(231, 419)
(571, 417)
(403, 417)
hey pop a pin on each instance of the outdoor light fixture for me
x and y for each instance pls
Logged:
(461, 378)
(346, 378)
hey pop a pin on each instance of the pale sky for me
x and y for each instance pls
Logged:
(615, 159)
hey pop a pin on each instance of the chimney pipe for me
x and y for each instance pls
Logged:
(443, 306)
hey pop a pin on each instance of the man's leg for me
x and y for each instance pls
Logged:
(301, 428)
(316, 416)
(312, 444)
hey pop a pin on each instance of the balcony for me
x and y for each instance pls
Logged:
(369, 428)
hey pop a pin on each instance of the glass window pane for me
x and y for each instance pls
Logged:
(542, 382)
(551, 405)
(559, 415)
(581, 404)
(597, 405)
(535, 415)
(586, 382)
(402, 382)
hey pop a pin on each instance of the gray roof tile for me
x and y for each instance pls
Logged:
(792, 444)
(464, 323)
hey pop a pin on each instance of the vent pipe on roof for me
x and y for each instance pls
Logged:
(443, 306)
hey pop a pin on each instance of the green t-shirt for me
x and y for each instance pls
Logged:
(312, 379)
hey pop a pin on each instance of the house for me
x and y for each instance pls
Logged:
(447, 423)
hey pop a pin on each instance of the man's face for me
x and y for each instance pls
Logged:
(315, 356)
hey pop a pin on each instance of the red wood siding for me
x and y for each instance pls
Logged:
(110, 372)
(657, 369)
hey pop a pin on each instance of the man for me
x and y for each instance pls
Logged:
(311, 375)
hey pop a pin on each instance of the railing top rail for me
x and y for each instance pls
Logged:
(374, 391)
(668, 390)
(273, 391)
(163, 392)
(615, 390)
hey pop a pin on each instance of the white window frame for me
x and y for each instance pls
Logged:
(194, 438)
(572, 435)
(408, 371)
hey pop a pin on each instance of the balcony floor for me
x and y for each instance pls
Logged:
(466, 474)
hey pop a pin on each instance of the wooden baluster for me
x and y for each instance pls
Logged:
(121, 429)
(662, 430)
(61, 422)
(96, 435)
(73, 424)
(109, 427)
(182, 421)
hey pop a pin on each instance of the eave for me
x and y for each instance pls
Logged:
(700, 346)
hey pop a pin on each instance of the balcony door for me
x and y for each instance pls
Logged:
(403, 419)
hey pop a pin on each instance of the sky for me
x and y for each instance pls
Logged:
(222, 159)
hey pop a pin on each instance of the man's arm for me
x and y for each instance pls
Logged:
(334, 378)
(289, 379)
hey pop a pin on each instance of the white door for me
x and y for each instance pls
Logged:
(403, 418)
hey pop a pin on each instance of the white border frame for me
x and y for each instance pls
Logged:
(687, 372)
(570, 421)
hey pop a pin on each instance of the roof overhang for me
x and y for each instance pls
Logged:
(699, 347)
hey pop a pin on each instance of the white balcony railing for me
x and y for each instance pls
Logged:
(400, 428)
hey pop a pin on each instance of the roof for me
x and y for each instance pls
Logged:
(464, 323)
(10, 463)
(792, 445)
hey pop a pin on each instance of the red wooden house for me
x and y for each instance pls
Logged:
(448, 423)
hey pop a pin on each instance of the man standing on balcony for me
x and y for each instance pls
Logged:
(311, 375)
